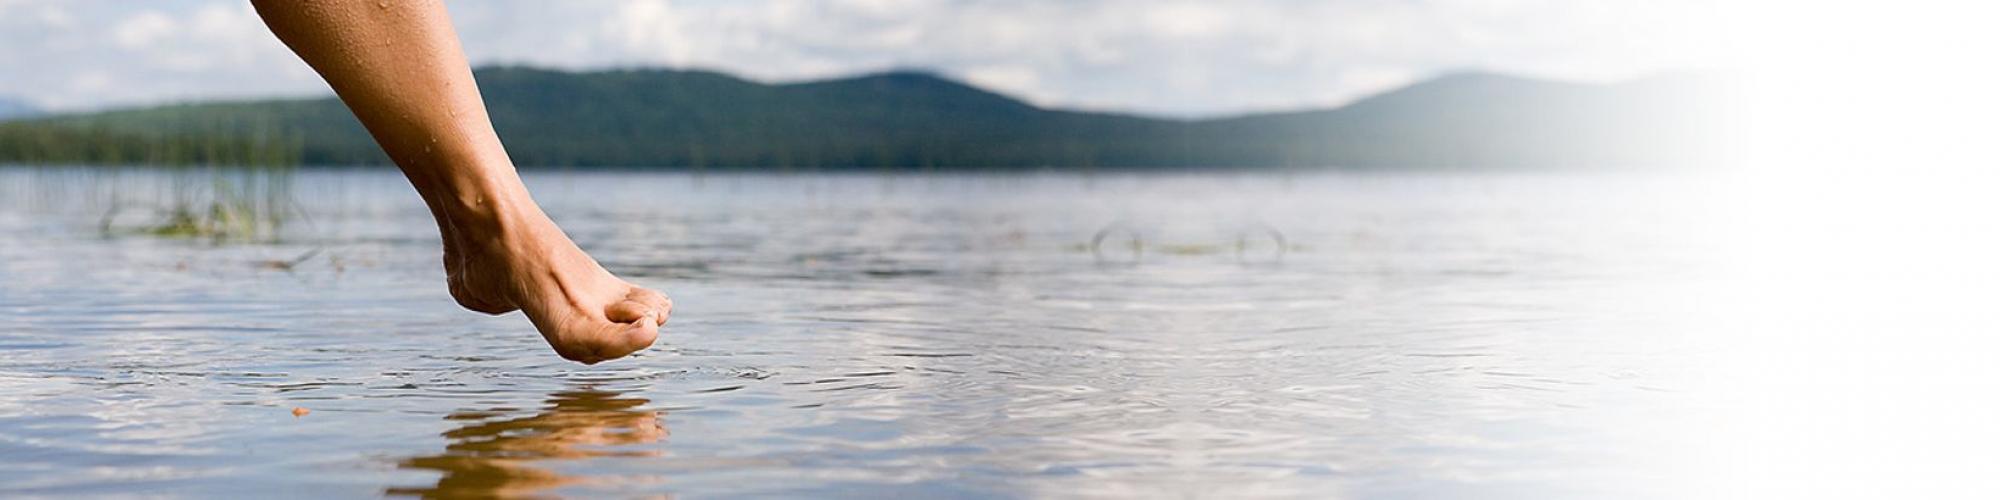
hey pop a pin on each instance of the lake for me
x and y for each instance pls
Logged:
(1179, 335)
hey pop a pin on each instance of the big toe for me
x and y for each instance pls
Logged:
(616, 340)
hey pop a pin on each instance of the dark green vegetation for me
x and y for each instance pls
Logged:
(909, 120)
(61, 143)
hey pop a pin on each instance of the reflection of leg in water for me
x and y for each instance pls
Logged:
(495, 458)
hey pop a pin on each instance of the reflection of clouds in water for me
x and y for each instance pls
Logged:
(488, 457)
(1430, 336)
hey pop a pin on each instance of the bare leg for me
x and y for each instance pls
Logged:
(398, 66)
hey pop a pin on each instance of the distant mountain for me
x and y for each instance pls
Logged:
(913, 120)
(11, 108)
(1488, 120)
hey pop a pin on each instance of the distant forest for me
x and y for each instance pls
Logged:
(915, 121)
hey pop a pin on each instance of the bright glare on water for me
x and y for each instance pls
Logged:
(1116, 335)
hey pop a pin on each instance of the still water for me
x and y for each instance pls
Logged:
(1038, 335)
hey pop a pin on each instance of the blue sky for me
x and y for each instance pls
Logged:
(1166, 57)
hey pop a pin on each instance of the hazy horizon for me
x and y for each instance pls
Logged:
(1172, 59)
(36, 110)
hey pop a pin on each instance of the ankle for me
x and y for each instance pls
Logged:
(490, 228)
(471, 192)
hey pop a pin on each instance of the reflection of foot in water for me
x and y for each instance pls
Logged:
(399, 68)
(495, 458)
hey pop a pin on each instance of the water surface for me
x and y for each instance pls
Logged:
(1113, 335)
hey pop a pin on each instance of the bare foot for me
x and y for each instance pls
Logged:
(514, 258)
(417, 98)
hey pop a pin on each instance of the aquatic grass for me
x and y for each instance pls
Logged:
(239, 205)
(231, 186)
(218, 203)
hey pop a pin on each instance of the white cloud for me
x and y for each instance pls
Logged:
(1011, 78)
(1174, 57)
(143, 29)
(1187, 19)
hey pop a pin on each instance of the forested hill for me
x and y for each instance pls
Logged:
(913, 120)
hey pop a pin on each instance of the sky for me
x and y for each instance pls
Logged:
(1157, 57)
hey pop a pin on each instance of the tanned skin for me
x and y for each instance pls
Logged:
(398, 66)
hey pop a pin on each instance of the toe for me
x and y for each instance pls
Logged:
(627, 311)
(628, 325)
(616, 340)
(658, 301)
(638, 304)
(607, 341)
